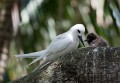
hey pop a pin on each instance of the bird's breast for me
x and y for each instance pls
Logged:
(74, 44)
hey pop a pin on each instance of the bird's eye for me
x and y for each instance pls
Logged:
(78, 31)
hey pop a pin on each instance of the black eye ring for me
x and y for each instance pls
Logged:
(78, 31)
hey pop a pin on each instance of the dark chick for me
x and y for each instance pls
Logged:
(95, 41)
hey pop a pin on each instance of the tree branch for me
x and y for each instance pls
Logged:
(99, 65)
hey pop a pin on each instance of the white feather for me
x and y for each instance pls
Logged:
(31, 55)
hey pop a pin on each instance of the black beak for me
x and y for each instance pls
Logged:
(80, 37)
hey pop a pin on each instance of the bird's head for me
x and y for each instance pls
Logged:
(90, 37)
(78, 31)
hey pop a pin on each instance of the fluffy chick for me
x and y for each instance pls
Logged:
(95, 41)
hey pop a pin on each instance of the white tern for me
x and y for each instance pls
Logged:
(62, 44)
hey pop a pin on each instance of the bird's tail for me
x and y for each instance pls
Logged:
(32, 55)
(37, 59)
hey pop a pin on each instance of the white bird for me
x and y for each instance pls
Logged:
(62, 44)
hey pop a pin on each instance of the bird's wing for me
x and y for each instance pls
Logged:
(31, 55)
(102, 42)
(59, 44)
(56, 46)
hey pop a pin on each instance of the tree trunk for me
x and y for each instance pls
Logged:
(6, 33)
(84, 65)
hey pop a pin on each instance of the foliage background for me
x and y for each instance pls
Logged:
(37, 22)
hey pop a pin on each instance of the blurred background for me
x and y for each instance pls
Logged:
(30, 25)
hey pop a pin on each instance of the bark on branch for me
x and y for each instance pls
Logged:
(84, 65)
